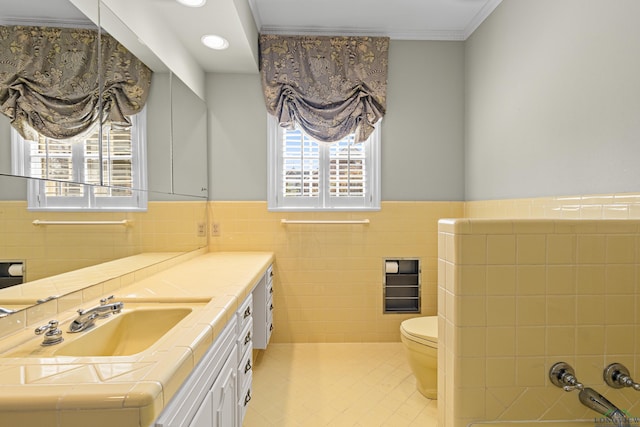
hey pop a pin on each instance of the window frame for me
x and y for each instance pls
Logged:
(324, 202)
(37, 200)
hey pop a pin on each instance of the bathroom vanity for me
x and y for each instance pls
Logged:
(219, 389)
(198, 373)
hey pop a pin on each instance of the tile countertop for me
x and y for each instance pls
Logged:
(130, 390)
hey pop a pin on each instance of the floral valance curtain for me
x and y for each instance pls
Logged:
(330, 86)
(49, 80)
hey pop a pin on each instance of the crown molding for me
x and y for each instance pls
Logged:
(46, 22)
(395, 34)
(342, 31)
(483, 14)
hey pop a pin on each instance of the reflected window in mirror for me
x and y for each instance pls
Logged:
(63, 166)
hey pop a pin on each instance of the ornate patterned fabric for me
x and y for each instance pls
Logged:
(49, 80)
(330, 86)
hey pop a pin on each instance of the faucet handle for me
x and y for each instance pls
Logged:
(562, 375)
(52, 325)
(104, 301)
(617, 375)
(52, 335)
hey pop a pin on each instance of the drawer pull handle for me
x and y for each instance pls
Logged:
(271, 307)
(248, 366)
(271, 327)
(247, 313)
(247, 339)
(247, 398)
(271, 273)
(270, 290)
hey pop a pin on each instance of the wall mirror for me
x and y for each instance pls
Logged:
(176, 137)
(176, 170)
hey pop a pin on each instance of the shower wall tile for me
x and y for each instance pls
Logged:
(557, 289)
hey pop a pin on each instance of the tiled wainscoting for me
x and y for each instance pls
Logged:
(329, 278)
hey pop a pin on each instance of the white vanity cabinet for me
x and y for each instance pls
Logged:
(208, 397)
(218, 390)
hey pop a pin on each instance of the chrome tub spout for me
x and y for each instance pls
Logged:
(594, 400)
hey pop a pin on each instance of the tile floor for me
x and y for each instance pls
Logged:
(359, 384)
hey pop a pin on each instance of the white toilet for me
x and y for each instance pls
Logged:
(420, 338)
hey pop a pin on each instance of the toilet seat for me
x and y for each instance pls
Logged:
(422, 330)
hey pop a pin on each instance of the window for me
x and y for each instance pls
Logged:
(62, 165)
(308, 175)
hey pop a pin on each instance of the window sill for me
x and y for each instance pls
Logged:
(345, 209)
(82, 210)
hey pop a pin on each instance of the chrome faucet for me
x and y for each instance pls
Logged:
(562, 375)
(594, 400)
(87, 318)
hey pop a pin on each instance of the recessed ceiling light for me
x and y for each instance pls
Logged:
(215, 42)
(192, 3)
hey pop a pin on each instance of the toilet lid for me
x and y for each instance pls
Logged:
(423, 328)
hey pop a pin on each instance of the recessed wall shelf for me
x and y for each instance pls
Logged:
(401, 285)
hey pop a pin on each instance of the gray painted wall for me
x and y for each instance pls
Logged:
(423, 130)
(237, 137)
(552, 100)
(422, 133)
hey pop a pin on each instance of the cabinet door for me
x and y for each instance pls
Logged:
(224, 395)
(219, 406)
(204, 416)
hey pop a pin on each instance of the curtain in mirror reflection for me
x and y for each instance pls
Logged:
(49, 80)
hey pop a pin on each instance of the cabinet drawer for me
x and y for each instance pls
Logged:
(270, 307)
(243, 402)
(269, 290)
(269, 330)
(245, 339)
(270, 275)
(244, 312)
(245, 371)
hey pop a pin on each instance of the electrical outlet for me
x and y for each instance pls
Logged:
(202, 229)
(215, 229)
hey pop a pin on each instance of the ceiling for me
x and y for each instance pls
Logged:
(239, 21)
(398, 19)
